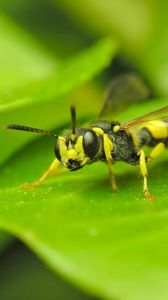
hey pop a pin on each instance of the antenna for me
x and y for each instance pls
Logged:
(73, 118)
(30, 129)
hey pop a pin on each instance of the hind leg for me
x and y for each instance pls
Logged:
(158, 149)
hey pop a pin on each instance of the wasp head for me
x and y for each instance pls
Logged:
(77, 149)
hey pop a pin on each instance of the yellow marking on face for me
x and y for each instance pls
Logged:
(63, 147)
(84, 162)
(72, 154)
(116, 128)
(70, 146)
(98, 130)
(75, 152)
(81, 156)
(79, 145)
(73, 137)
(157, 128)
(61, 138)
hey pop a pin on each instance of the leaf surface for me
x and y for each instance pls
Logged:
(44, 98)
(141, 27)
(28, 278)
(114, 245)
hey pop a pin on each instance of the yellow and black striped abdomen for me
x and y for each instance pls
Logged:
(157, 128)
(153, 132)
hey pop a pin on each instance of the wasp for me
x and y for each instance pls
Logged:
(108, 141)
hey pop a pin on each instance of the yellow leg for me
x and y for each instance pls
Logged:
(112, 178)
(159, 148)
(51, 171)
(108, 146)
(144, 174)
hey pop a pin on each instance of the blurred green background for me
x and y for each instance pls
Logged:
(54, 53)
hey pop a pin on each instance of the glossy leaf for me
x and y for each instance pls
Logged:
(113, 245)
(23, 275)
(23, 60)
(44, 20)
(141, 26)
(44, 97)
(72, 73)
(5, 240)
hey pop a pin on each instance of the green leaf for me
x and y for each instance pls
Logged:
(5, 240)
(22, 59)
(23, 276)
(113, 245)
(72, 73)
(44, 20)
(140, 26)
(43, 96)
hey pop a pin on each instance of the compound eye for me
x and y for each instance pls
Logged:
(90, 143)
(57, 151)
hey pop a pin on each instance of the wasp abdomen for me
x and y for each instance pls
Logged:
(153, 132)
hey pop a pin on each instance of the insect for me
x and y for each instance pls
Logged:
(108, 141)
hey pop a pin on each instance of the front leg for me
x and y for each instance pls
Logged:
(51, 171)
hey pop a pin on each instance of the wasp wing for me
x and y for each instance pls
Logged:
(161, 113)
(124, 90)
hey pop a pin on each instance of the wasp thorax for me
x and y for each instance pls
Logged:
(75, 153)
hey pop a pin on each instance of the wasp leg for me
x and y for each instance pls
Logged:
(144, 173)
(159, 148)
(108, 146)
(51, 171)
